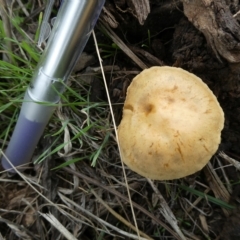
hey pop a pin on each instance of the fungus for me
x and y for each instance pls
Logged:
(171, 124)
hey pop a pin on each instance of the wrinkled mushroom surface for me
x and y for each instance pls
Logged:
(171, 124)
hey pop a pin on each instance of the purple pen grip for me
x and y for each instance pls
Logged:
(23, 142)
(32, 120)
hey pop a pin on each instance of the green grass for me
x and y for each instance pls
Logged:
(108, 50)
(209, 198)
(87, 122)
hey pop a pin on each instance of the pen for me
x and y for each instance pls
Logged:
(72, 28)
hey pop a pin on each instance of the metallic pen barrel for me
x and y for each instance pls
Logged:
(69, 36)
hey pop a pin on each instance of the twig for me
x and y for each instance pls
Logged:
(29, 183)
(116, 133)
(23, 8)
(19, 230)
(50, 218)
(217, 186)
(118, 194)
(166, 211)
(234, 162)
(118, 216)
(124, 47)
(69, 201)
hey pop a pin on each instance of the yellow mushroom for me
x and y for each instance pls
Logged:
(171, 125)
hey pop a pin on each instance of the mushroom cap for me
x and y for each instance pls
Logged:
(171, 124)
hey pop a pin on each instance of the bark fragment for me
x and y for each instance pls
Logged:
(139, 9)
(218, 24)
